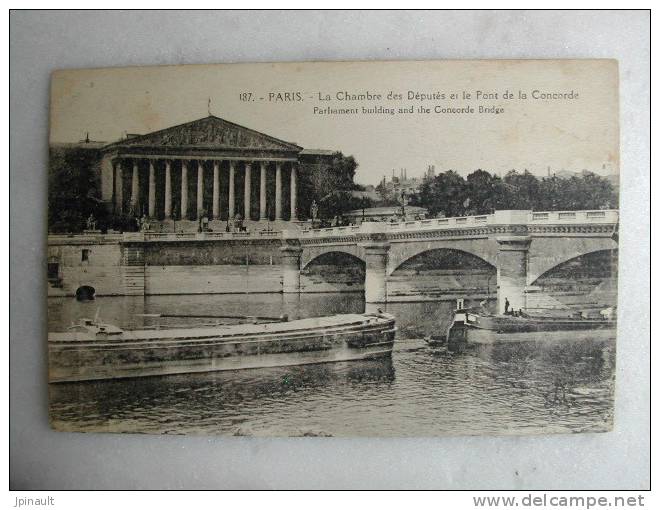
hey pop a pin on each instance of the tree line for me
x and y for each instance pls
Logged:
(481, 192)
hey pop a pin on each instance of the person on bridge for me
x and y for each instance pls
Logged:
(506, 306)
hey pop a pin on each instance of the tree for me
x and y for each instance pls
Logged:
(446, 194)
(339, 203)
(483, 191)
(338, 175)
(586, 191)
(73, 190)
(523, 191)
(318, 181)
(552, 193)
(591, 191)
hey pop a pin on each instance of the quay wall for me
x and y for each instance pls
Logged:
(85, 261)
(212, 279)
(228, 267)
(213, 267)
(247, 252)
(151, 268)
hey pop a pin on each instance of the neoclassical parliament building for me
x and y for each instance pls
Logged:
(208, 168)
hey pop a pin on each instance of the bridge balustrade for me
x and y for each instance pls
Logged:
(609, 216)
(192, 236)
(498, 218)
(554, 217)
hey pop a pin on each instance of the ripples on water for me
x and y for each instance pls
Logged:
(563, 386)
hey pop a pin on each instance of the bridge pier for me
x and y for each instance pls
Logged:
(290, 268)
(375, 279)
(512, 271)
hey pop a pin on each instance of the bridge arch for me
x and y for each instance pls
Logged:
(586, 279)
(442, 273)
(449, 256)
(333, 271)
(482, 249)
(600, 262)
(315, 257)
(545, 254)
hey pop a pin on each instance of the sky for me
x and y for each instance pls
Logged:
(534, 134)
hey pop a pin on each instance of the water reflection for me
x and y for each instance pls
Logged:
(208, 402)
(564, 386)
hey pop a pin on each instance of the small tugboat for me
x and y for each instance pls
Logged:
(477, 326)
(92, 350)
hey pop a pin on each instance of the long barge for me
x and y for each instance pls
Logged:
(470, 326)
(100, 351)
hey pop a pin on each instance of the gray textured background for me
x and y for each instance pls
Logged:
(42, 459)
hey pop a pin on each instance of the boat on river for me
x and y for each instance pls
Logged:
(477, 326)
(92, 350)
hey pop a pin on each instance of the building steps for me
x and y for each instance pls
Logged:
(133, 270)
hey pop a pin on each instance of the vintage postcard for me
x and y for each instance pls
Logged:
(334, 249)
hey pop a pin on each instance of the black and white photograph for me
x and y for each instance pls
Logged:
(334, 249)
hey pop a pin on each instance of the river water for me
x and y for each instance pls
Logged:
(509, 388)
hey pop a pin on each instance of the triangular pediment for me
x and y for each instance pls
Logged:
(209, 132)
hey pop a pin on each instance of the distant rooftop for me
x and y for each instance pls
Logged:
(82, 144)
(317, 152)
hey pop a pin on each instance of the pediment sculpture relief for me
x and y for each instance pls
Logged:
(208, 134)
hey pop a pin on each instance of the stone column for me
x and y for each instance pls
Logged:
(294, 192)
(248, 188)
(262, 192)
(290, 268)
(216, 190)
(200, 188)
(232, 198)
(168, 190)
(278, 191)
(512, 271)
(135, 188)
(107, 182)
(375, 281)
(184, 189)
(119, 189)
(152, 189)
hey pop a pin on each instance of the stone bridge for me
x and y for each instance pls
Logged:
(521, 245)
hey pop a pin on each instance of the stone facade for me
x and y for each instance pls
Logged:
(209, 168)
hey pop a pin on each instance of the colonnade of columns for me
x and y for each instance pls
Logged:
(199, 165)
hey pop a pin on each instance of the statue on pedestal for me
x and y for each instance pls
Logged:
(143, 223)
(238, 223)
(91, 222)
(314, 210)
